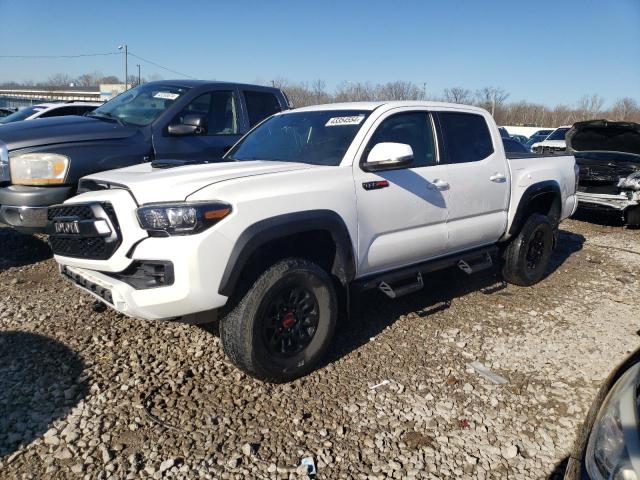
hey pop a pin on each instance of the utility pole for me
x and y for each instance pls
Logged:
(126, 64)
(138, 65)
(493, 102)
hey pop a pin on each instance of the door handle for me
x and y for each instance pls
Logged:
(438, 184)
(498, 178)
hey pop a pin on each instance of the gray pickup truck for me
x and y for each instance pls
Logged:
(168, 121)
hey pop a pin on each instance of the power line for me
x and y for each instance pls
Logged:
(160, 66)
(62, 56)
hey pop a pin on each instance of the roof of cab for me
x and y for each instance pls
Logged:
(201, 83)
(390, 104)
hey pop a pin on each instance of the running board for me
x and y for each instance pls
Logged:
(475, 264)
(395, 292)
(409, 279)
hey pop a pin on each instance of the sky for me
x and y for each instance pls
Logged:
(551, 52)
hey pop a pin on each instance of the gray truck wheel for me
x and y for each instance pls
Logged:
(527, 255)
(283, 324)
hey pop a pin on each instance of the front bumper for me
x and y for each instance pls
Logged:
(198, 262)
(25, 208)
(605, 201)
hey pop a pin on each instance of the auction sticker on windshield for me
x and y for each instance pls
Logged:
(336, 121)
(166, 95)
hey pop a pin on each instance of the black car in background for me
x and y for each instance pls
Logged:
(608, 154)
(174, 120)
(514, 146)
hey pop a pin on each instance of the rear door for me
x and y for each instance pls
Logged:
(223, 129)
(402, 213)
(479, 178)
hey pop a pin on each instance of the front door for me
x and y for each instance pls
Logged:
(402, 213)
(220, 109)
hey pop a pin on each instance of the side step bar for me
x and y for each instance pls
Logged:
(407, 280)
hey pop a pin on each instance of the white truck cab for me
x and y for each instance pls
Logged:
(310, 204)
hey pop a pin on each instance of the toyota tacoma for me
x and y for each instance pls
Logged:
(310, 205)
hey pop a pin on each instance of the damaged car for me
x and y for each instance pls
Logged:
(608, 154)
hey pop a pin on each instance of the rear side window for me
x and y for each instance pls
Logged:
(466, 137)
(260, 105)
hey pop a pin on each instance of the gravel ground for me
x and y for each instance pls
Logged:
(90, 395)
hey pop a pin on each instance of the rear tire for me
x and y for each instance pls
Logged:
(283, 324)
(527, 256)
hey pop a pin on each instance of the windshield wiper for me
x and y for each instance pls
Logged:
(106, 115)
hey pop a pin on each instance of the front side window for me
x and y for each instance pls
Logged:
(217, 108)
(319, 137)
(141, 105)
(466, 137)
(411, 128)
(260, 105)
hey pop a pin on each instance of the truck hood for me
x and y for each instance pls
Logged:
(149, 185)
(69, 129)
(604, 136)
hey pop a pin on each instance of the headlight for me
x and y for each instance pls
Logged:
(613, 451)
(38, 168)
(182, 218)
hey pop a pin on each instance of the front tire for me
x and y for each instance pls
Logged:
(283, 324)
(527, 256)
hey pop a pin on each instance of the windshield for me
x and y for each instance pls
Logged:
(318, 137)
(21, 114)
(558, 134)
(141, 105)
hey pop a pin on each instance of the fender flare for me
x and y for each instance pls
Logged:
(267, 230)
(529, 195)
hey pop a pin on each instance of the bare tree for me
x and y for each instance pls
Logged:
(490, 98)
(457, 95)
(398, 90)
(58, 80)
(625, 109)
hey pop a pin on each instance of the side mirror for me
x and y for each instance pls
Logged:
(388, 156)
(192, 124)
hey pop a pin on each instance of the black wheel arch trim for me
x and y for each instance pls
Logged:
(281, 226)
(529, 195)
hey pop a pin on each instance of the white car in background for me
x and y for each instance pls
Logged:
(47, 110)
(554, 143)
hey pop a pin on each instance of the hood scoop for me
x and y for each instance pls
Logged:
(604, 136)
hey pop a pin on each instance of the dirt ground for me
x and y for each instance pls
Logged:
(87, 394)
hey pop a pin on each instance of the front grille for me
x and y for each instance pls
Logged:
(94, 247)
(83, 212)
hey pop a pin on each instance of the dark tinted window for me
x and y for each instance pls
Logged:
(412, 128)
(260, 105)
(466, 137)
(513, 146)
(82, 109)
(219, 109)
(558, 134)
(60, 112)
(21, 114)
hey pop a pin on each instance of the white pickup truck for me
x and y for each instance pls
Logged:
(309, 205)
